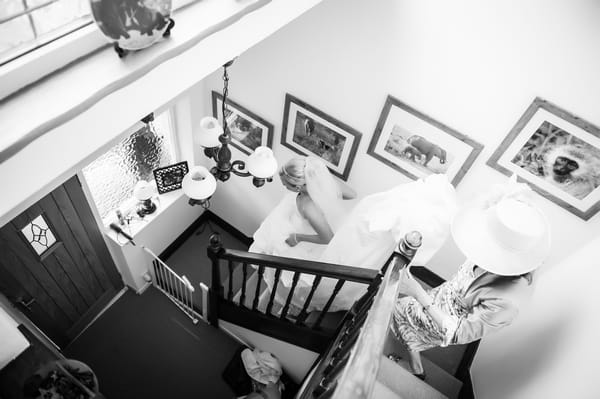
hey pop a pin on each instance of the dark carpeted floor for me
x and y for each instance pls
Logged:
(144, 347)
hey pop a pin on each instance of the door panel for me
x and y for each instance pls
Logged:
(91, 234)
(72, 253)
(49, 317)
(62, 289)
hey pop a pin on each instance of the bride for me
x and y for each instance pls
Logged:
(303, 222)
(309, 214)
(362, 237)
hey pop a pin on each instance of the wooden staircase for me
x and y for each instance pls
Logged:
(239, 295)
(244, 299)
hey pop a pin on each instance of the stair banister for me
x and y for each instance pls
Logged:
(359, 375)
(338, 272)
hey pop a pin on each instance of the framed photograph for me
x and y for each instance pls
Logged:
(417, 145)
(558, 154)
(309, 131)
(247, 129)
(169, 178)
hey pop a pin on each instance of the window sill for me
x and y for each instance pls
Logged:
(52, 129)
(137, 224)
(67, 93)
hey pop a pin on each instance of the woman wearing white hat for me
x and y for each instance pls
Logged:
(505, 238)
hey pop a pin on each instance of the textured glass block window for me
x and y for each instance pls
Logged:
(113, 175)
(39, 235)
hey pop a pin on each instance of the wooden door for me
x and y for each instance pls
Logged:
(54, 264)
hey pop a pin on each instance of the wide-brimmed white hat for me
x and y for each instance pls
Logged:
(508, 237)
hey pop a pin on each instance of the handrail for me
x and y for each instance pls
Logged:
(358, 378)
(348, 273)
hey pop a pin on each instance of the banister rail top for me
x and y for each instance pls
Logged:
(358, 378)
(348, 273)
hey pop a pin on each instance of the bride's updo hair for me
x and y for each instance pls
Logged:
(292, 172)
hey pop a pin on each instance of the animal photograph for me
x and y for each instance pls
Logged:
(417, 145)
(422, 153)
(318, 139)
(244, 130)
(565, 160)
(307, 130)
(248, 130)
(557, 154)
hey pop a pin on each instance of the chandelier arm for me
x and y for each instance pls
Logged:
(237, 167)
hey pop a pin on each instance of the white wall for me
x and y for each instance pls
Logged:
(551, 351)
(294, 360)
(475, 66)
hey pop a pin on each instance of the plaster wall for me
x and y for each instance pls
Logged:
(294, 360)
(474, 66)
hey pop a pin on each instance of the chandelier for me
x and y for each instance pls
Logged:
(200, 183)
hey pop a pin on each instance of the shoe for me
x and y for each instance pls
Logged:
(394, 358)
(397, 359)
(421, 376)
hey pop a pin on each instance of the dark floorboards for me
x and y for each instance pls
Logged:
(144, 347)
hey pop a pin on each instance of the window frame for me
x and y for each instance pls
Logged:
(169, 109)
(22, 70)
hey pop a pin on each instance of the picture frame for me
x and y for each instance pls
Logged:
(248, 130)
(168, 178)
(417, 145)
(309, 131)
(557, 154)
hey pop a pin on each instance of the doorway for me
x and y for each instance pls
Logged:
(55, 266)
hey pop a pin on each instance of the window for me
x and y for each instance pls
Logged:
(39, 235)
(112, 176)
(28, 24)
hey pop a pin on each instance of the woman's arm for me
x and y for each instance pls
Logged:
(410, 286)
(318, 222)
(491, 313)
(348, 192)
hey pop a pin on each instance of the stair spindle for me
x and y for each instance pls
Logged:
(337, 288)
(244, 278)
(261, 271)
(336, 365)
(326, 392)
(303, 313)
(348, 342)
(273, 291)
(290, 295)
(230, 291)
(215, 249)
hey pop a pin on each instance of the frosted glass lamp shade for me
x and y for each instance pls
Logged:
(208, 132)
(199, 183)
(143, 190)
(262, 163)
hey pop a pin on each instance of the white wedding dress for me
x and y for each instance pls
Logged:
(367, 237)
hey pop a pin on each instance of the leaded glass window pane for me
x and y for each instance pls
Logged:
(112, 176)
(39, 235)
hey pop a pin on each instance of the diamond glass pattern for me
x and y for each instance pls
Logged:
(39, 235)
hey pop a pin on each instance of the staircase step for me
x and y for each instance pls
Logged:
(448, 358)
(330, 321)
(404, 384)
(437, 377)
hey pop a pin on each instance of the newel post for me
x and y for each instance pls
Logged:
(215, 248)
(408, 246)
